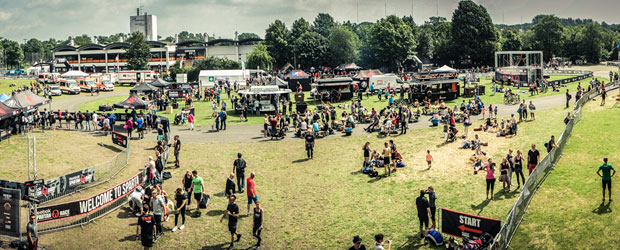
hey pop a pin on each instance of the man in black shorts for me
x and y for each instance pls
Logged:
(310, 144)
(232, 211)
(146, 228)
(177, 150)
(607, 174)
(239, 169)
(424, 210)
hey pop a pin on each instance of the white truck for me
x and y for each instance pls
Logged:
(382, 81)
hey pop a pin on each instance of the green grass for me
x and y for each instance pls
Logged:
(566, 212)
(322, 203)
(4, 84)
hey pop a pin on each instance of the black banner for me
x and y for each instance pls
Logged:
(14, 185)
(119, 139)
(74, 208)
(472, 226)
(9, 223)
(65, 183)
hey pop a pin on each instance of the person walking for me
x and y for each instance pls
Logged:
(32, 237)
(181, 201)
(503, 168)
(177, 149)
(198, 189)
(239, 166)
(232, 211)
(190, 120)
(607, 169)
(568, 97)
(145, 230)
(603, 95)
(309, 138)
(257, 226)
(532, 110)
(129, 127)
(424, 210)
(252, 195)
(230, 185)
(533, 157)
(429, 158)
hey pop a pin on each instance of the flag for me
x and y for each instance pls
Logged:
(116, 62)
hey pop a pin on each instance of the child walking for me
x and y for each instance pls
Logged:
(429, 158)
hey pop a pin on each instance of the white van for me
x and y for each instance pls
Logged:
(382, 81)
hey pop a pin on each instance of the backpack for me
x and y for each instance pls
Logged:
(434, 237)
(166, 175)
(204, 202)
(373, 173)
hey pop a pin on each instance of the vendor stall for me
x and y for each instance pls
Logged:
(132, 102)
(266, 98)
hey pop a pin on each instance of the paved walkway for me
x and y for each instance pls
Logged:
(71, 103)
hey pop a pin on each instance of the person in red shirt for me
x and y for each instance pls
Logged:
(252, 195)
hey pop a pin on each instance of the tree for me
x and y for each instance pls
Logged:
(473, 34)
(210, 63)
(393, 41)
(300, 26)
(276, 39)
(34, 46)
(81, 40)
(343, 45)
(323, 23)
(13, 53)
(259, 57)
(310, 49)
(511, 40)
(548, 36)
(138, 53)
(244, 36)
(592, 41)
(367, 50)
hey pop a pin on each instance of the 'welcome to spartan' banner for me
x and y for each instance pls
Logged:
(80, 207)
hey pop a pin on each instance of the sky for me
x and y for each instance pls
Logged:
(44, 19)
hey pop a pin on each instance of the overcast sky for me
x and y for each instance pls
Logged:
(22, 19)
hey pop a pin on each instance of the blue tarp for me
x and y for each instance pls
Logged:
(4, 97)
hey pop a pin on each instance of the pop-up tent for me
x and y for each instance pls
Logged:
(143, 88)
(74, 74)
(278, 82)
(4, 97)
(298, 77)
(132, 102)
(159, 83)
(25, 100)
(6, 111)
(367, 73)
(444, 69)
(348, 66)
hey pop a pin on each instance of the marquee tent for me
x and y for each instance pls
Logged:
(159, 83)
(6, 111)
(25, 100)
(143, 88)
(444, 69)
(132, 102)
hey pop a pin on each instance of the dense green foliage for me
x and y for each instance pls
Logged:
(138, 53)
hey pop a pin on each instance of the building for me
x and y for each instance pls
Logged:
(99, 58)
(145, 24)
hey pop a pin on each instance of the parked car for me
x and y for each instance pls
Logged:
(55, 90)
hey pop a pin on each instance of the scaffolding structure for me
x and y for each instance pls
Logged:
(519, 66)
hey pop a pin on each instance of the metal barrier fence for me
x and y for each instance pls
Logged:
(104, 172)
(538, 176)
(81, 220)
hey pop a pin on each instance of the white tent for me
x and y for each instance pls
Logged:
(74, 74)
(444, 69)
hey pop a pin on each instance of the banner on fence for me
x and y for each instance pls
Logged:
(460, 224)
(119, 139)
(70, 209)
(14, 185)
(65, 183)
(9, 224)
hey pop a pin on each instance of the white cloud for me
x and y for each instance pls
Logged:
(5, 15)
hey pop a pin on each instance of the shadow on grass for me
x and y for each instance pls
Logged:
(216, 247)
(215, 212)
(359, 171)
(301, 160)
(125, 213)
(220, 194)
(480, 206)
(130, 237)
(110, 147)
(602, 208)
(375, 179)
(413, 242)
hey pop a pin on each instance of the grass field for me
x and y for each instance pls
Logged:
(322, 203)
(203, 114)
(567, 212)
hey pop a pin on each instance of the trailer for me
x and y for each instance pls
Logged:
(136, 76)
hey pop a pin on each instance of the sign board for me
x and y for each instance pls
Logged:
(181, 77)
(80, 207)
(472, 226)
(119, 139)
(14, 185)
(9, 223)
(211, 79)
(64, 184)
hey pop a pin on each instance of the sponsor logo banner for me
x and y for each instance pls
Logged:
(119, 139)
(65, 183)
(9, 222)
(70, 209)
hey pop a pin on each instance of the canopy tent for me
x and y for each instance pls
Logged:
(132, 102)
(143, 88)
(444, 69)
(264, 90)
(278, 82)
(296, 74)
(298, 77)
(4, 97)
(348, 66)
(159, 83)
(74, 74)
(6, 111)
(368, 73)
(25, 100)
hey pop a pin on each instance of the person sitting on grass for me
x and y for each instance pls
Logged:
(379, 243)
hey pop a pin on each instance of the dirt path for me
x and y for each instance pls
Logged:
(72, 103)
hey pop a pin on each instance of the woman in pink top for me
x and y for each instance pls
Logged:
(490, 177)
(190, 120)
(129, 126)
